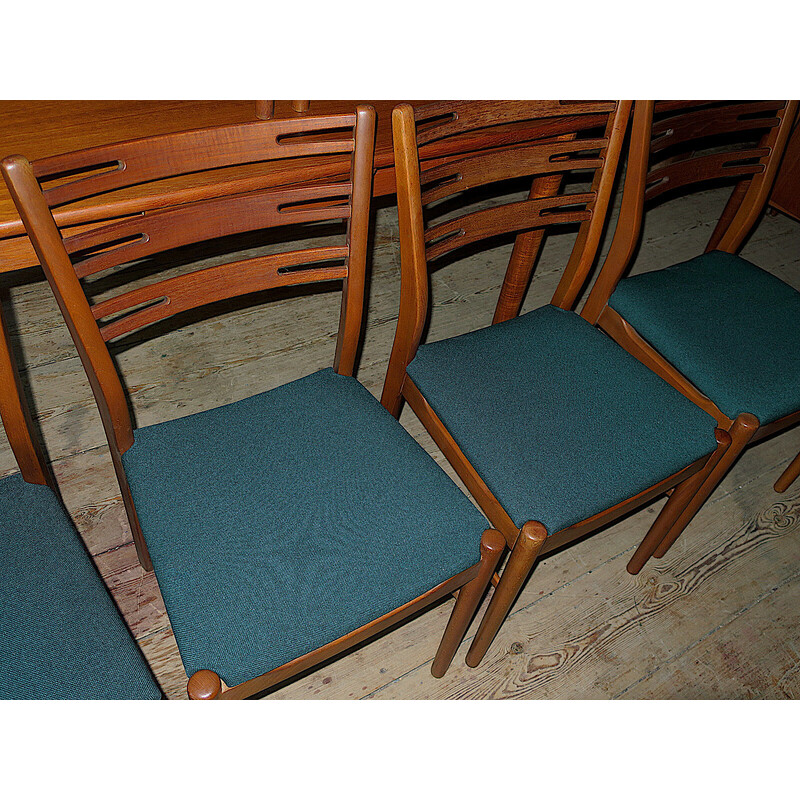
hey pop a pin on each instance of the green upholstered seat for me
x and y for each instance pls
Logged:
(559, 421)
(732, 329)
(61, 636)
(281, 522)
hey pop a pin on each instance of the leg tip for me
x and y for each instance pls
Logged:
(204, 685)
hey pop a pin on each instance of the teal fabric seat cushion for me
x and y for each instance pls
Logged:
(732, 329)
(61, 636)
(559, 421)
(281, 522)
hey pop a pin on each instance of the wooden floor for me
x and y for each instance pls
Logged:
(717, 618)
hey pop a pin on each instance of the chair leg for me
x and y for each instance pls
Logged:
(791, 474)
(204, 685)
(742, 431)
(681, 496)
(469, 597)
(520, 563)
(523, 256)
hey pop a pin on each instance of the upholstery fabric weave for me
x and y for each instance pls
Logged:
(281, 522)
(559, 421)
(61, 636)
(732, 329)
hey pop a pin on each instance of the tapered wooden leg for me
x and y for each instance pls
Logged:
(492, 545)
(679, 499)
(523, 256)
(300, 106)
(742, 431)
(790, 475)
(204, 685)
(728, 213)
(520, 563)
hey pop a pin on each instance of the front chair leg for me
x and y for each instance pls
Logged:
(742, 431)
(520, 563)
(791, 474)
(492, 545)
(681, 496)
(204, 685)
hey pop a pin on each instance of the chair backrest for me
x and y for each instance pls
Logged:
(520, 139)
(39, 187)
(684, 145)
(16, 416)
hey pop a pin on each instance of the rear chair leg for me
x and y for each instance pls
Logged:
(742, 431)
(520, 563)
(679, 499)
(492, 545)
(791, 474)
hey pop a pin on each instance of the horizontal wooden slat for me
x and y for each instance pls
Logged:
(219, 282)
(208, 219)
(703, 168)
(512, 162)
(714, 121)
(149, 159)
(522, 215)
(437, 120)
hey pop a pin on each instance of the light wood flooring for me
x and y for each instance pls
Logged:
(716, 618)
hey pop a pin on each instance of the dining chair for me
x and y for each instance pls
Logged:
(294, 524)
(61, 635)
(722, 331)
(554, 428)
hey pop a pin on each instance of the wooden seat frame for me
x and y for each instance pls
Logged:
(755, 168)
(38, 187)
(555, 149)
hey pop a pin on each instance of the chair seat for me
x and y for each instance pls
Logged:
(559, 421)
(61, 636)
(281, 522)
(732, 329)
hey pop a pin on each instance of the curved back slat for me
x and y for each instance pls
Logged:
(508, 218)
(512, 162)
(694, 143)
(107, 168)
(519, 148)
(454, 117)
(697, 121)
(698, 169)
(174, 295)
(147, 234)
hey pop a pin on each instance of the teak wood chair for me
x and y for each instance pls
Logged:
(61, 635)
(290, 526)
(554, 429)
(719, 329)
